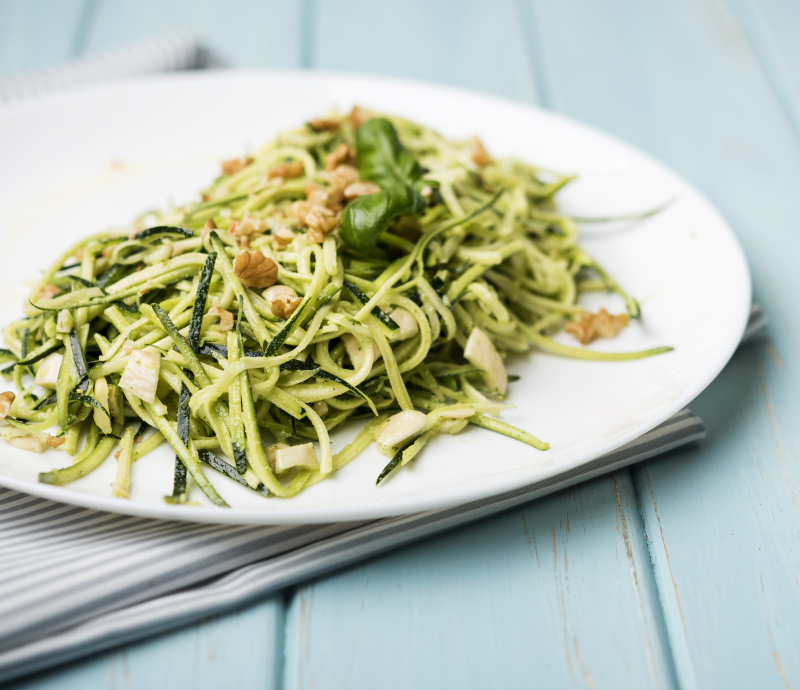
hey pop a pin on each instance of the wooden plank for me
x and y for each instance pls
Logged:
(245, 33)
(38, 33)
(472, 44)
(242, 649)
(556, 594)
(682, 81)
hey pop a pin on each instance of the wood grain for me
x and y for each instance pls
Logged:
(242, 649)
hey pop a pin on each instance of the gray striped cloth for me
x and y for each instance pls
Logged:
(76, 581)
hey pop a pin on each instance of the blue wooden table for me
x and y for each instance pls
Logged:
(683, 572)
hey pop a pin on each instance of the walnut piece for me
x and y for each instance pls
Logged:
(358, 116)
(55, 441)
(49, 291)
(225, 317)
(358, 189)
(287, 171)
(281, 237)
(592, 326)
(6, 400)
(341, 154)
(254, 269)
(478, 153)
(320, 224)
(234, 165)
(324, 124)
(247, 228)
(283, 301)
(208, 227)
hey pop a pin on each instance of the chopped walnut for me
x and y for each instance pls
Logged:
(55, 441)
(49, 291)
(341, 154)
(320, 225)
(283, 301)
(324, 124)
(358, 116)
(234, 165)
(592, 326)
(208, 227)
(79, 254)
(247, 228)
(287, 171)
(338, 180)
(254, 269)
(478, 153)
(6, 400)
(225, 317)
(281, 237)
(358, 189)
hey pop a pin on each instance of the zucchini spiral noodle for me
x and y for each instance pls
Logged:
(360, 267)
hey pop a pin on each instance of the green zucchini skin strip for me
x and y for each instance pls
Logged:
(191, 462)
(179, 476)
(550, 345)
(508, 430)
(386, 471)
(224, 468)
(381, 315)
(48, 348)
(163, 230)
(297, 365)
(235, 403)
(200, 376)
(80, 362)
(87, 400)
(82, 466)
(199, 308)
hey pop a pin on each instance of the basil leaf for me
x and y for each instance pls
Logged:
(382, 159)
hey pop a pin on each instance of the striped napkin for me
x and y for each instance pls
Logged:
(76, 581)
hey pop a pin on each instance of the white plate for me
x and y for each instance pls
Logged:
(86, 160)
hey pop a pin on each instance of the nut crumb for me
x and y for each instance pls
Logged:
(478, 153)
(358, 189)
(234, 165)
(324, 124)
(6, 400)
(592, 326)
(283, 301)
(49, 291)
(55, 441)
(282, 237)
(358, 116)
(208, 227)
(287, 171)
(254, 269)
(341, 154)
(320, 224)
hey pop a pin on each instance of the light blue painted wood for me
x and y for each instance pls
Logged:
(473, 43)
(552, 595)
(772, 28)
(242, 650)
(682, 80)
(38, 33)
(246, 33)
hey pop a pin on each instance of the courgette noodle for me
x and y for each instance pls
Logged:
(384, 249)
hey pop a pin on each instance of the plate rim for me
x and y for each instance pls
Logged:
(419, 502)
